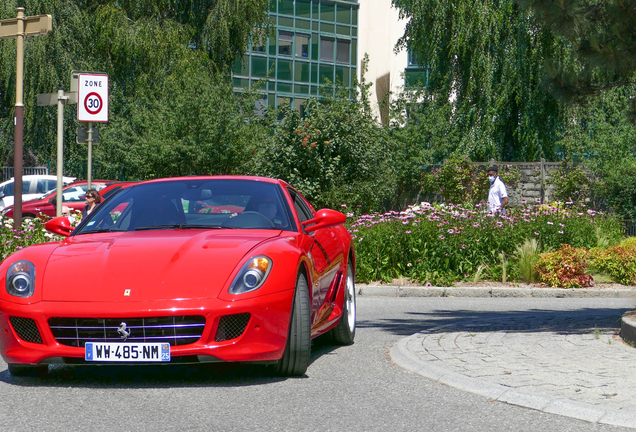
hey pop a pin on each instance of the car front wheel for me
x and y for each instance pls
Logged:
(295, 360)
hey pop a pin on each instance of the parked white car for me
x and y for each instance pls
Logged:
(33, 186)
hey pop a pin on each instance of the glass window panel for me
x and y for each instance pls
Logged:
(302, 89)
(314, 73)
(314, 90)
(343, 74)
(314, 25)
(354, 17)
(302, 45)
(286, 7)
(343, 30)
(314, 46)
(328, 12)
(344, 14)
(285, 22)
(354, 73)
(272, 6)
(302, 24)
(342, 51)
(354, 51)
(285, 40)
(354, 31)
(271, 86)
(280, 101)
(326, 71)
(327, 28)
(272, 46)
(271, 100)
(272, 67)
(259, 67)
(301, 72)
(315, 9)
(284, 70)
(284, 87)
(303, 8)
(256, 47)
(326, 49)
(241, 82)
(236, 67)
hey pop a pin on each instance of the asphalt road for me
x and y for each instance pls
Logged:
(354, 388)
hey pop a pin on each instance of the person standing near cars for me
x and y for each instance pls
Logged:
(497, 195)
(92, 200)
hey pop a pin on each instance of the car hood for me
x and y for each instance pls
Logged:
(153, 265)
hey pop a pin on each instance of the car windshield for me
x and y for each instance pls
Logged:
(192, 204)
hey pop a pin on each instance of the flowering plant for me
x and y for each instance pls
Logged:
(442, 243)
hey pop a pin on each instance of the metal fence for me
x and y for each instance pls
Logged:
(7, 172)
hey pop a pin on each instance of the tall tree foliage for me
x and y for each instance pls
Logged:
(157, 53)
(601, 44)
(486, 62)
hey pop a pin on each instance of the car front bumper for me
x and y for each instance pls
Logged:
(262, 340)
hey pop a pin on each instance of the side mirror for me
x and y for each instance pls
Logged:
(60, 225)
(53, 200)
(324, 218)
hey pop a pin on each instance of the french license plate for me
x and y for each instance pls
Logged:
(127, 352)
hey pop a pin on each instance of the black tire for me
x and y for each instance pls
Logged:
(295, 360)
(345, 332)
(27, 216)
(25, 370)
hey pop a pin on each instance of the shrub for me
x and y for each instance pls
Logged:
(442, 243)
(564, 268)
(618, 262)
(572, 185)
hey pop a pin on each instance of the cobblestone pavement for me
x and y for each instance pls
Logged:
(540, 361)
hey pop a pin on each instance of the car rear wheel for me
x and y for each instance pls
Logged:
(21, 370)
(295, 360)
(345, 331)
(27, 216)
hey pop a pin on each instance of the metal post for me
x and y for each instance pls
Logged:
(89, 174)
(18, 124)
(60, 148)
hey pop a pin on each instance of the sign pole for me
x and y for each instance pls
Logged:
(18, 123)
(19, 28)
(89, 174)
(60, 148)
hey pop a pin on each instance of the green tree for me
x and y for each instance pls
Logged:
(335, 154)
(156, 53)
(486, 62)
(600, 42)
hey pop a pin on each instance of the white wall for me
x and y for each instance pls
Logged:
(378, 31)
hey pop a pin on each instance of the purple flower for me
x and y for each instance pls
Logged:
(442, 237)
(560, 232)
(536, 233)
(463, 246)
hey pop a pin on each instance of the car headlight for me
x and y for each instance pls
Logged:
(252, 275)
(21, 279)
(6, 210)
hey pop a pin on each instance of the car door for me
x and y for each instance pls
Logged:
(325, 252)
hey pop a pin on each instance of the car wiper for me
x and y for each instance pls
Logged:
(181, 226)
(101, 230)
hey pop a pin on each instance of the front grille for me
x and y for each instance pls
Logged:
(26, 329)
(177, 330)
(231, 326)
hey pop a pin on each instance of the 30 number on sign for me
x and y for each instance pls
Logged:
(93, 103)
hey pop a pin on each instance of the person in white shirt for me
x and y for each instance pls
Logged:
(498, 195)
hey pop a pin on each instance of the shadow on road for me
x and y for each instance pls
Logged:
(162, 376)
(534, 320)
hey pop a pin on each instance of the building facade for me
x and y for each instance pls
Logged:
(318, 41)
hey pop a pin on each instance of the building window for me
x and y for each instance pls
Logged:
(413, 59)
(302, 45)
(326, 49)
(285, 40)
(342, 51)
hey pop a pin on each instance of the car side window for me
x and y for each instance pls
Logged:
(304, 213)
(26, 185)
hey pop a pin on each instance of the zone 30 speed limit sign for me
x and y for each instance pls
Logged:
(92, 98)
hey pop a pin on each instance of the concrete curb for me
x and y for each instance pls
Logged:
(406, 291)
(565, 407)
(628, 329)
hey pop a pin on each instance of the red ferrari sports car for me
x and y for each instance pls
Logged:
(190, 269)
